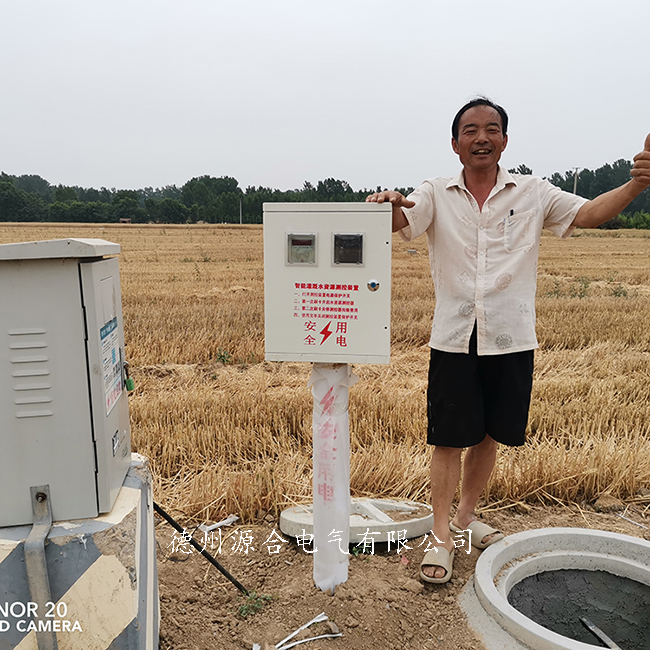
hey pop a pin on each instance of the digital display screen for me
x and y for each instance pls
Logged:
(348, 249)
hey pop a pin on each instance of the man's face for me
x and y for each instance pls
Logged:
(480, 139)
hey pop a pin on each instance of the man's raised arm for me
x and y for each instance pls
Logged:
(608, 205)
(399, 201)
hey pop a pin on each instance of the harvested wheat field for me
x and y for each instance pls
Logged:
(227, 432)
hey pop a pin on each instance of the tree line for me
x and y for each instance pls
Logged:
(206, 199)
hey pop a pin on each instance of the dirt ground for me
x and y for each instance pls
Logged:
(383, 604)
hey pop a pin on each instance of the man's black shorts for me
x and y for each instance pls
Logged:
(470, 396)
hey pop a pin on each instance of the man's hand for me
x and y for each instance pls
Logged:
(398, 200)
(641, 171)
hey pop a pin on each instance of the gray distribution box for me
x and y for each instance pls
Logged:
(64, 419)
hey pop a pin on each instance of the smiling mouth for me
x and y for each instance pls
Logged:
(481, 152)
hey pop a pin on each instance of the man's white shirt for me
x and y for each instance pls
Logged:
(484, 262)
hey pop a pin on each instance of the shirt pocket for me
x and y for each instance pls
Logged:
(519, 231)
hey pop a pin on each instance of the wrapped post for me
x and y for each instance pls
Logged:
(331, 484)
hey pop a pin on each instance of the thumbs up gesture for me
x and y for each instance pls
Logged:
(641, 169)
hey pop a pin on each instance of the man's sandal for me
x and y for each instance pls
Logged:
(479, 531)
(438, 557)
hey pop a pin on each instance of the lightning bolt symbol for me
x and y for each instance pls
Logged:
(326, 332)
(328, 401)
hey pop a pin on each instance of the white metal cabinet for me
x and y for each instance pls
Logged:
(63, 407)
(327, 282)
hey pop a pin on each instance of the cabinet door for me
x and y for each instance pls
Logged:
(102, 300)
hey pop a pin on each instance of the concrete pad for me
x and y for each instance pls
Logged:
(386, 517)
(102, 572)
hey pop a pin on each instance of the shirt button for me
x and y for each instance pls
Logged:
(480, 277)
(482, 252)
(480, 227)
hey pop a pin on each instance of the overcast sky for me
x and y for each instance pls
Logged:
(135, 93)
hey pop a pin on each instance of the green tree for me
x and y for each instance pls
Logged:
(126, 194)
(166, 192)
(34, 184)
(173, 211)
(18, 205)
(91, 194)
(195, 192)
(227, 205)
(151, 207)
(332, 189)
(88, 212)
(126, 207)
(308, 192)
(521, 169)
(254, 199)
(636, 220)
(64, 194)
(203, 190)
(58, 212)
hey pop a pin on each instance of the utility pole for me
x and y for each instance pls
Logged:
(575, 179)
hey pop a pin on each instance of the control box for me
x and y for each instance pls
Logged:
(64, 418)
(327, 282)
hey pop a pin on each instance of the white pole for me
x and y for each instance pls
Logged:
(331, 482)
(575, 179)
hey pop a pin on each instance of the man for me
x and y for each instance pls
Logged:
(483, 229)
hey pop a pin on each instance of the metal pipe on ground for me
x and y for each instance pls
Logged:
(177, 527)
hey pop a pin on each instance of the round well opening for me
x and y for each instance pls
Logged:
(586, 606)
(535, 587)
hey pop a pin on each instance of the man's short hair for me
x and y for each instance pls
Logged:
(479, 101)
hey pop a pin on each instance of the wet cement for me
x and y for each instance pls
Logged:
(620, 607)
